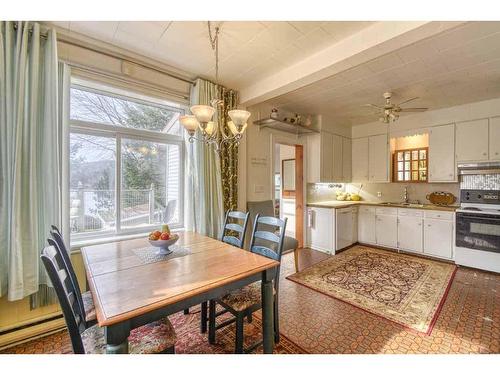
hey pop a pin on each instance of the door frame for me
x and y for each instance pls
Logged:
(292, 140)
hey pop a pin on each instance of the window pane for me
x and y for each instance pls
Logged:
(400, 166)
(400, 156)
(407, 155)
(414, 155)
(414, 164)
(423, 154)
(407, 176)
(400, 176)
(423, 163)
(104, 109)
(92, 184)
(414, 176)
(407, 165)
(150, 183)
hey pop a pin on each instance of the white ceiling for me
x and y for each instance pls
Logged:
(249, 51)
(455, 67)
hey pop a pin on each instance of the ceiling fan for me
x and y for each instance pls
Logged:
(390, 111)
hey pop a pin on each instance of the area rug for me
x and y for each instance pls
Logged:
(189, 339)
(405, 289)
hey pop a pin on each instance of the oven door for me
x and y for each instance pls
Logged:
(478, 232)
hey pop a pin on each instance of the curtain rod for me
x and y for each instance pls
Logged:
(116, 56)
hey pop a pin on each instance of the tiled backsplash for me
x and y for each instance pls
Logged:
(481, 182)
(390, 192)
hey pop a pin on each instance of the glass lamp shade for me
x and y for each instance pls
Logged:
(210, 128)
(189, 122)
(233, 128)
(203, 113)
(239, 117)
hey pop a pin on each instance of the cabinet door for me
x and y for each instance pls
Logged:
(344, 228)
(366, 226)
(313, 158)
(378, 158)
(346, 160)
(386, 227)
(337, 159)
(326, 157)
(322, 229)
(410, 236)
(472, 140)
(438, 238)
(442, 154)
(495, 138)
(360, 159)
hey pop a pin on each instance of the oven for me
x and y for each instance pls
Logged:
(478, 231)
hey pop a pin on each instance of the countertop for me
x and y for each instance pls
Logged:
(342, 204)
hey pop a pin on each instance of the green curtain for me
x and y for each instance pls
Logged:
(204, 191)
(30, 155)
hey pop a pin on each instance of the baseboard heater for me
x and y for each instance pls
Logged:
(30, 331)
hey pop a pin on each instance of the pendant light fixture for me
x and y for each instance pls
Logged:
(212, 132)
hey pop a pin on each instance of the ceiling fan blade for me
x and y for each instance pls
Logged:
(373, 106)
(413, 109)
(408, 100)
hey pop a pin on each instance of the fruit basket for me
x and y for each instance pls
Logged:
(163, 240)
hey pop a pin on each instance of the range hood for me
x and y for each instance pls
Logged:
(479, 168)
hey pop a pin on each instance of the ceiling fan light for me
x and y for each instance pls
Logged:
(189, 122)
(239, 117)
(203, 113)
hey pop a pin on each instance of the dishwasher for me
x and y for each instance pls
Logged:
(344, 227)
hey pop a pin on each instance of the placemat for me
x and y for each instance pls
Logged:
(149, 254)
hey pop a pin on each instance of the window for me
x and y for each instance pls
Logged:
(410, 165)
(126, 164)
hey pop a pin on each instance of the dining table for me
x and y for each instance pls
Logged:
(132, 286)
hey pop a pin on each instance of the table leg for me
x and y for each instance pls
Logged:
(117, 338)
(203, 315)
(267, 312)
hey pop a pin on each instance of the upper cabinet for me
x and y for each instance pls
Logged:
(346, 159)
(442, 154)
(472, 140)
(360, 159)
(378, 158)
(326, 161)
(495, 138)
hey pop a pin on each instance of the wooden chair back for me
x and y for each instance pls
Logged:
(66, 295)
(269, 243)
(58, 243)
(232, 225)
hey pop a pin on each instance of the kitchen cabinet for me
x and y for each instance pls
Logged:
(344, 227)
(472, 140)
(325, 158)
(360, 159)
(378, 158)
(495, 138)
(366, 225)
(386, 227)
(442, 154)
(438, 237)
(321, 229)
(346, 159)
(410, 230)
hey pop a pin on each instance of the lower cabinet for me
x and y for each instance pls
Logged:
(321, 229)
(386, 227)
(410, 230)
(366, 225)
(438, 237)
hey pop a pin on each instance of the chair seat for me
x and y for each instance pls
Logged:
(88, 305)
(244, 298)
(151, 338)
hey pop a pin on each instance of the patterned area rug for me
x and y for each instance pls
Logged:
(189, 339)
(404, 289)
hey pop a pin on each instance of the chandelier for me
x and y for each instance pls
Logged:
(211, 131)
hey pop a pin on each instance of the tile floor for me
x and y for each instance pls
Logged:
(469, 321)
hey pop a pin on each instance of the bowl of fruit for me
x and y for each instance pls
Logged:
(163, 240)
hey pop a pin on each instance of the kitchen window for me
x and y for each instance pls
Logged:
(126, 163)
(410, 165)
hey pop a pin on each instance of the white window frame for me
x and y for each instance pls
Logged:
(118, 133)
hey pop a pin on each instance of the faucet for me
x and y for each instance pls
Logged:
(405, 195)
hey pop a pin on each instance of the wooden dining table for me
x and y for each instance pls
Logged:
(130, 291)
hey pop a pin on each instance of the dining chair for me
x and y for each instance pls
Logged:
(155, 337)
(84, 300)
(270, 231)
(233, 233)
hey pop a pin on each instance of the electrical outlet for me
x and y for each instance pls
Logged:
(379, 194)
